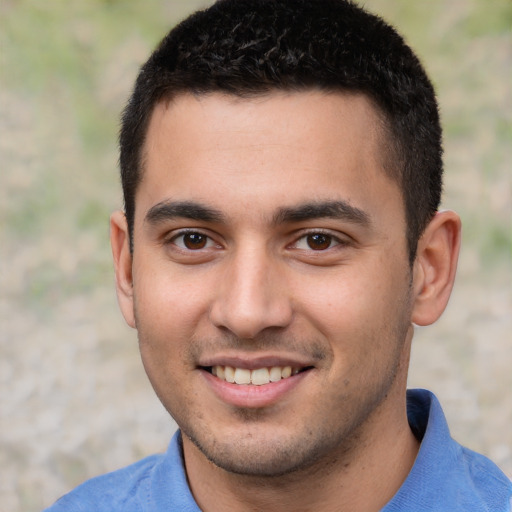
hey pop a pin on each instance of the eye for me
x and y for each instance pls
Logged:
(316, 242)
(192, 241)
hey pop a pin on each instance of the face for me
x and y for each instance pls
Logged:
(270, 285)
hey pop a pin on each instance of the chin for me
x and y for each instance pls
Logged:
(262, 456)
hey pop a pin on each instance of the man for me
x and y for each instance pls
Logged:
(281, 168)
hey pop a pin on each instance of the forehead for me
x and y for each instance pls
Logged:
(277, 148)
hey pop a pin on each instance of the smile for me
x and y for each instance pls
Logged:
(256, 377)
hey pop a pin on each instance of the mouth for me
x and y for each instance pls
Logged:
(257, 376)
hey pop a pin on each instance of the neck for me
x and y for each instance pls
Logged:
(380, 461)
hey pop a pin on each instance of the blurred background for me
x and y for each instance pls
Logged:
(74, 399)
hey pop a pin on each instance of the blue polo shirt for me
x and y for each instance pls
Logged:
(445, 476)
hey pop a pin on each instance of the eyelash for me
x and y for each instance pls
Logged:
(181, 234)
(333, 241)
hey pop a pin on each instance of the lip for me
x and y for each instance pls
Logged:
(251, 396)
(253, 363)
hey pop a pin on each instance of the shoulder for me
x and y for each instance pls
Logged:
(123, 489)
(473, 483)
(446, 475)
(155, 483)
(486, 481)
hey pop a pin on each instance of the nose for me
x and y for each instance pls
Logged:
(251, 295)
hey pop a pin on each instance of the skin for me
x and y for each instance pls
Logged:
(294, 253)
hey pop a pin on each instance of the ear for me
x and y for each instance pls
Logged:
(120, 242)
(435, 267)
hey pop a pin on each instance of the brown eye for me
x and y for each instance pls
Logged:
(319, 241)
(194, 241)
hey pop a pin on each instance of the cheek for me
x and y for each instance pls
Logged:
(360, 311)
(345, 301)
(165, 325)
(169, 304)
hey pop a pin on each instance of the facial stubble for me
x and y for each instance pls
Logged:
(307, 448)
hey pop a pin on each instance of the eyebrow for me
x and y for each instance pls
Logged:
(168, 210)
(326, 209)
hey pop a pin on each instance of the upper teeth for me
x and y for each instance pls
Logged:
(256, 377)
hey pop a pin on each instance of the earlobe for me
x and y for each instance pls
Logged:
(120, 242)
(435, 267)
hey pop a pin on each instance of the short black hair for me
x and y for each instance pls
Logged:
(253, 47)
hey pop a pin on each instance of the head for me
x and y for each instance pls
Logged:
(280, 160)
(249, 48)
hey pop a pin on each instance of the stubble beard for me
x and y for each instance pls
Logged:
(308, 448)
(311, 447)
